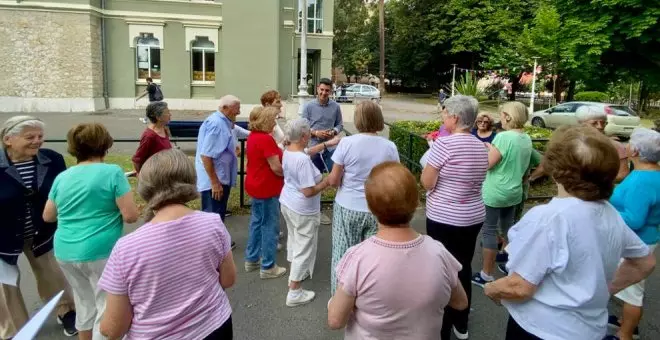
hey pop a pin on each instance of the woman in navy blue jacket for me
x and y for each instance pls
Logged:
(26, 174)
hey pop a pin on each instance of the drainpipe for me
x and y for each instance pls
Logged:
(104, 57)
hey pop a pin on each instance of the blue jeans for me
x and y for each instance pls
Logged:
(215, 206)
(264, 227)
(323, 161)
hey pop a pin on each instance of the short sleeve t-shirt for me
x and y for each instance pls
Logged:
(88, 219)
(359, 154)
(406, 303)
(503, 186)
(577, 248)
(169, 271)
(300, 173)
(151, 143)
(261, 182)
(462, 161)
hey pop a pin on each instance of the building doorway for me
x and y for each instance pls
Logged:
(313, 70)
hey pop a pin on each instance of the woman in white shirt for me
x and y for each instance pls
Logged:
(301, 207)
(353, 159)
(564, 256)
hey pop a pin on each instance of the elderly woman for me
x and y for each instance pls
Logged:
(595, 117)
(301, 208)
(637, 199)
(396, 284)
(167, 280)
(353, 159)
(483, 128)
(155, 137)
(269, 99)
(27, 172)
(90, 201)
(455, 212)
(564, 256)
(508, 160)
(263, 183)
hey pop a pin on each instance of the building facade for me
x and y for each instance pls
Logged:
(87, 55)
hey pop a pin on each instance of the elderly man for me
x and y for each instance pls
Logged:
(324, 117)
(215, 159)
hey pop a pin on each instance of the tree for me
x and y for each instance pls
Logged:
(349, 28)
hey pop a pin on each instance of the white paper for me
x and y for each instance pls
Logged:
(32, 327)
(8, 273)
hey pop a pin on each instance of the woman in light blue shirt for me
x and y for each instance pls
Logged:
(637, 199)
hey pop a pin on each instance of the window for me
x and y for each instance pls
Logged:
(203, 60)
(148, 56)
(314, 16)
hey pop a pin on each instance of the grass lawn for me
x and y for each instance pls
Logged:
(124, 161)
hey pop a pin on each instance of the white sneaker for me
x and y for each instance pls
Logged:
(325, 220)
(280, 247)
(272, 273)
(299, 299)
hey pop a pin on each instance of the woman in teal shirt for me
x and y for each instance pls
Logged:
(90, 201)
(637, 199)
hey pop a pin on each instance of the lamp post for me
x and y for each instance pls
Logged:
(302, 87)
(531, 99)
(453, 80)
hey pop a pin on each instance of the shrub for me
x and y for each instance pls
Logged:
(591, 96)
(408, 136)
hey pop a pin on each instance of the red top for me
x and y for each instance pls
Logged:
(150, 144)
(261, 182)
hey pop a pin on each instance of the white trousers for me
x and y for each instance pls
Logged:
(301, 243)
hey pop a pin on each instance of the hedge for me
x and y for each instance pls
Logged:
(400, 134)
(591, 96)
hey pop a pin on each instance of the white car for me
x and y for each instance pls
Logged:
(621, 120)
(361, 91)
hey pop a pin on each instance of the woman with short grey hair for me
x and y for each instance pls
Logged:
(597, 118)
(300, 201)
(455, 211)
(27, 172)
(637, 199)
(156, 137)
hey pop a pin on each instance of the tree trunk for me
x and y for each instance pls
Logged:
(571, 90)
(643, 97)
(515, 84)
(381, 24)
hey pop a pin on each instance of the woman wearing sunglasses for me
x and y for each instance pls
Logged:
(483, 128)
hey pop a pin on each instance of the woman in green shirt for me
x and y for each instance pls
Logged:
(90, 201)
(502, 191)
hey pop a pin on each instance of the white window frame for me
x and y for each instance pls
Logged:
(318, 21)
(204, 50)
(138, 46)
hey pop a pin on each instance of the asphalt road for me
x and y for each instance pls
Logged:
(259, 305)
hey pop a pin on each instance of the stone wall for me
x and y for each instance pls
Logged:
(50, 55)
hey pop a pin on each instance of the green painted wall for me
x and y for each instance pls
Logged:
(286, 57)
(176, 68)
(173, 7)
(121, 60)
(250, 48)
(203, 92)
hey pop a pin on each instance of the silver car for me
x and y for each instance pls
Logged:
(361, 91)
(621, 120)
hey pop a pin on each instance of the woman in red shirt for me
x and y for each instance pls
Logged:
(155, 137)
(263, 183)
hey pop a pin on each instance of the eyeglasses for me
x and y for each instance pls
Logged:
(483, 122)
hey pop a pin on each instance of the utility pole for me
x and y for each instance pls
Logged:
(630, 97)
(381, 23)
(531, 99)
(302, 87)
(453, 80)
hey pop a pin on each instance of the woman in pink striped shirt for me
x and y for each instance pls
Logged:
(167, 279)
(455, 211)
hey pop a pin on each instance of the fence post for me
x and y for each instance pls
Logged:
(242, 175)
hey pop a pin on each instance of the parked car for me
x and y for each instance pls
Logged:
(361, 91)
(621, 120)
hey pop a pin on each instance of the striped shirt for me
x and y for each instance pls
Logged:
(462, 161)
(169, 271)
(28, 172)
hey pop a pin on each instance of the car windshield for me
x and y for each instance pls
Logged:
(354, 88)
(622, 110)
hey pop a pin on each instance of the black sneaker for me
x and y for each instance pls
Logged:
(479, 281)
(68, 322)
(228, 213)
(233, 245)
(614, 324)
(461, 334)
(502, 268)
(502, 257)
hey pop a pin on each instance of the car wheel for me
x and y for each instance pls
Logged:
(538, 122)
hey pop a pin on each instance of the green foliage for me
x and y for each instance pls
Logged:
(408, 136)
(467, 85)
(592, 96)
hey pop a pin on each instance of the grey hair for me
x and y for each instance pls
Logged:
(15, 125)
(647, 143)
(463, 107)
(296, 129)
(587, 112)
(155, 110)
(228, 100)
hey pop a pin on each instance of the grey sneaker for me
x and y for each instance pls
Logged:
(273, 273)
(252, 266)
(303, 298)
(325, 220)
